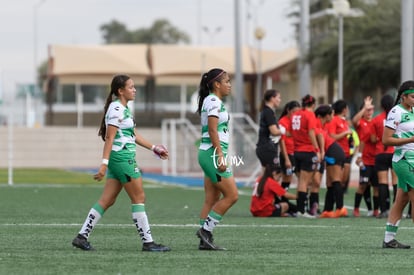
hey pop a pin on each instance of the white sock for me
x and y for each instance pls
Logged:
(210, 223)
(91, 220)
(391, 231)
(139, 216)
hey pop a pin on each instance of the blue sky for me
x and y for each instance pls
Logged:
(78, 21)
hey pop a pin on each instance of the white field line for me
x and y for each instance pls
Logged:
(307, 226)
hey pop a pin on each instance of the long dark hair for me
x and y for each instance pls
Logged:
(407, 85)
(288, 107)
(268, 173)
(267, 96)
(206, 85)
(387, 102)
(117, 83)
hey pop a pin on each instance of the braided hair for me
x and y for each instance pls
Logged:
(407, 85)
(118, 82)
(206, 85)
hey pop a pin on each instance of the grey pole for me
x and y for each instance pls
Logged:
(238, 90)
(340, 56)
(304, 40)
(407, 40)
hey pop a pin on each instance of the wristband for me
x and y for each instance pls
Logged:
(317, 150)
(105, 161)
(359, 155)
(152, 147)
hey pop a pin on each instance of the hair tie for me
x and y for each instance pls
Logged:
(308, 100)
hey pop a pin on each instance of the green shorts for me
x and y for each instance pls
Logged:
(405, 173)
(122, 167)
(209, 165)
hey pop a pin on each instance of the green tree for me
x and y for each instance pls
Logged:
(161, 32)
(371, 48)
(116, 32)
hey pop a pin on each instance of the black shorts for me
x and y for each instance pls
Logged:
(278, 210)
(305, 161)
(283, 163)
(267, 154)
(368, 175)
(383, 162)
(335, 155)
(320, 167)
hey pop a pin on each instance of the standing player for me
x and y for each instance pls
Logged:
(365, 160)
(287, 160)
(219, 184)
(118, 158)
(334, 159)
(307, 153)
(338, 128)
(383, 158)
(266, 149)
(398, 132)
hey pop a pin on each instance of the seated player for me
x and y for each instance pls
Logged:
(269, 198)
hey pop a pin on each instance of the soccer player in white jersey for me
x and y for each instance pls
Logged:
(219, 184)
(118, 159)
(399, 132)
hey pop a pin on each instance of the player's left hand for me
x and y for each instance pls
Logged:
(101, 173)
(160, 151)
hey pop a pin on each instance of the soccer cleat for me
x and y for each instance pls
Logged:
(375, 213)
(370, 213)
(395, 244)
(305, 215)
(327, 214)
(82, 243)
(154, 247)
(356, 212)
(314, 209)
(203, 246)
(341, 212)
(207, 238)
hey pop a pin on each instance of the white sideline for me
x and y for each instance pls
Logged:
(195, 225)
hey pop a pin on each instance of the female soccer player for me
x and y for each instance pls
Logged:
(307, 153)
(398, 132)
(219, 184)
(266, 148)
(118, 161)
(334, 158)
(269, 198)
(366, 160)
(383, 158)
(287, 160)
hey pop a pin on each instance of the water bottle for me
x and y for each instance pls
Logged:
(289, 172)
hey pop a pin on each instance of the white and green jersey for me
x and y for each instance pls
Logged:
(120, 116)
(402, 121)
(213, 106)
